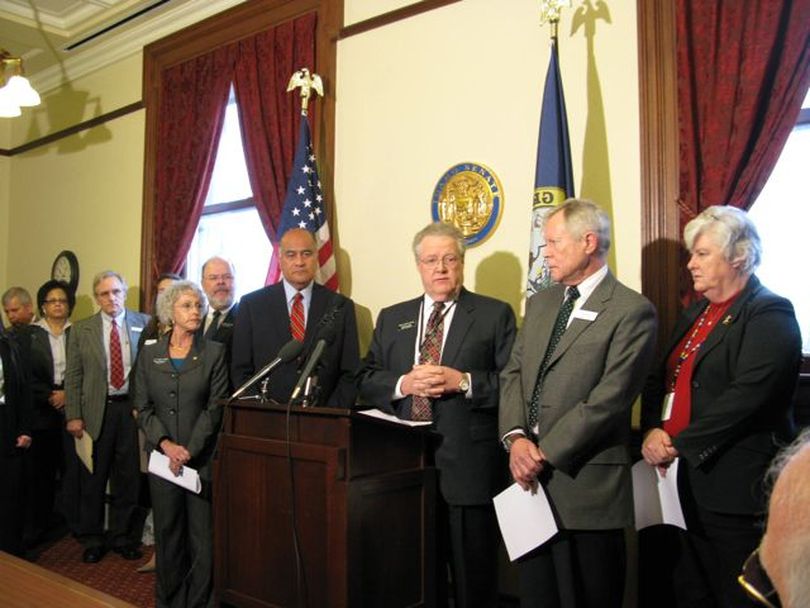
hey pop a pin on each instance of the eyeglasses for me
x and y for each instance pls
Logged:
(756, 582)
(450, 260)
(187, 306)
(56, 301)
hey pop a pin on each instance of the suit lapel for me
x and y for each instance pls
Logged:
(597, 302)
(718, 334)
(462, 320)
(277, 304)
(96, 330)
(134, 329)
(406, 331)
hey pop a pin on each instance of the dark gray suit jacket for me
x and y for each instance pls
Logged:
(469, 458)
(263, 327)
(86, 372)
(594, 376)
(182, 405)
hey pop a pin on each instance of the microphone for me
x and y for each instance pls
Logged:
(287, 353)
(313, 360)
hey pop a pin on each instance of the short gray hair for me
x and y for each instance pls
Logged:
(106, 274)
(440, 229)
(20, 293)
(732, 231)
(583, 215)
(170, 295)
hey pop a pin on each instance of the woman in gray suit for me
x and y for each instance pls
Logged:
(179, 381)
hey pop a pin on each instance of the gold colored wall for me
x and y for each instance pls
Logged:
(459, 83)
(82, 192)
(464, 83)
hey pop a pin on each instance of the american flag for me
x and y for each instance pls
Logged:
(304, 208)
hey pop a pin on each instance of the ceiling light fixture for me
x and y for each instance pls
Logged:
(15, 90)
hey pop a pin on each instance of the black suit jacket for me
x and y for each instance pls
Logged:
(40, 358)
(224, 335)
(742, 389)
(469, 457)
(15, 413)
(263, 326)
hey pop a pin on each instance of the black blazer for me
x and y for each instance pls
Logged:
(263, 327)
(224, 335)
(743, 382)
(40, 358)
(469, 457)
(15, 413)
(182, 405)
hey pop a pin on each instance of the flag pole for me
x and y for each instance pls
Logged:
(553, 181)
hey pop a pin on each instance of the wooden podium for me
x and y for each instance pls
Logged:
(363, 503)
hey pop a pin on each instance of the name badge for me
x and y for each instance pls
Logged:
(406, 325)
(666, 408)
(136, 329)
(149, 341)
(585, 315)
(160, 360)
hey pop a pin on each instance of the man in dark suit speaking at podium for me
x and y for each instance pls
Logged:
(297, 308)
(437, 358)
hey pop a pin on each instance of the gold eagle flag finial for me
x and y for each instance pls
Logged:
(307, 83)
(550, 13)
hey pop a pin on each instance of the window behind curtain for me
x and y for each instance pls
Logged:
(782, 216)
(230, 226)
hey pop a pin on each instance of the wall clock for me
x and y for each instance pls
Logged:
(66, 268)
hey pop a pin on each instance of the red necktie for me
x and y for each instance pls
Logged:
(116, 358)
(429, 352)
(297, 317)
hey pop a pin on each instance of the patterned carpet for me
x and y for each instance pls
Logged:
(113, 575)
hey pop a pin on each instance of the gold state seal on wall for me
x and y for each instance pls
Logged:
(470, 197)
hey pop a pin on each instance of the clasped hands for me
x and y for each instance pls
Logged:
(658, 450)
(526, 462)
(428, 380)
(177, 454)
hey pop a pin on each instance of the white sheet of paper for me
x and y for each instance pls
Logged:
(375, 413)
(525, 519)
(84, 449)
(188, 478)
(655, 498)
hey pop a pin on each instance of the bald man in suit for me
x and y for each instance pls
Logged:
(578, 364)
(264, 325)
(97, 401)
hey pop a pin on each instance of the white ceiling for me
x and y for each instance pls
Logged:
(40, 30)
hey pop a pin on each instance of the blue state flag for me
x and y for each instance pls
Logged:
(553, 178)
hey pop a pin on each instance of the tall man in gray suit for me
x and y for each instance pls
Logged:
(101, 351)
(578, 364)
(437, 357)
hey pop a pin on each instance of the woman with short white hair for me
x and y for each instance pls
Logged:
(720, 402)
(179, 382)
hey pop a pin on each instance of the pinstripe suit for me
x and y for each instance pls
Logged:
(112, 428)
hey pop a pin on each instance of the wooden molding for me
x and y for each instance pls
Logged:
(392, 16)
(658, 90)
(72, 130)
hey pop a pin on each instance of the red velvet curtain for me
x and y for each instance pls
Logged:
(268, 114)
(192, 108)
(743, 71)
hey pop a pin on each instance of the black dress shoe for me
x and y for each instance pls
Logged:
(93, 555)
(129, 552)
